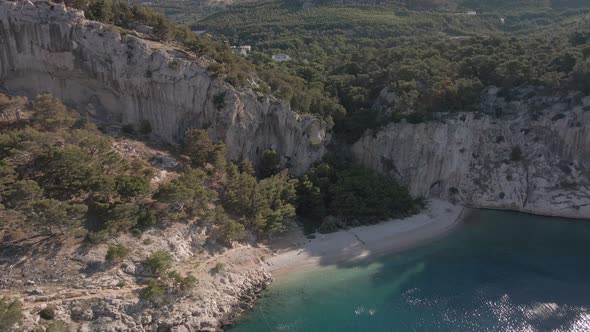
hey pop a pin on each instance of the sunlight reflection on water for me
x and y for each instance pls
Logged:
(500, 272)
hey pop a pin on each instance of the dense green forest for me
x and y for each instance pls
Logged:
(425, 60)
(347, 57)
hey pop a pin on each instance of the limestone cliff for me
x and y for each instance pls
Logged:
(46, 48)
(530, 154)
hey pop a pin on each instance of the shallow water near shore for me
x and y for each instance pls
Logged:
(499, 271)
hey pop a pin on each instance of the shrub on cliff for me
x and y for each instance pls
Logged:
(22, 193)
(227, 229)
(269, 164)
(155, 291)
(186, 196)
(180, 284)
(159, 262)
(10, 313)
(132, 186)
(100, 10)
(116, 254)
(233, 231)
(218, 268)
(47, 313)
(50, 114)
(202, 150)
(219, 100)
(170, 284)
(52, 217)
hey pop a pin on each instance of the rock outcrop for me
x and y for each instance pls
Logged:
(91, 294)
(124, 79)
(530, 154)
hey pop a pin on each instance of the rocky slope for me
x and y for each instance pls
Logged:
(89, 294)
(529, 154)
(71, 273)
(130, 80)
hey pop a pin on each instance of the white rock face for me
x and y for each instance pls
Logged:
(46, 48)
(466, 157)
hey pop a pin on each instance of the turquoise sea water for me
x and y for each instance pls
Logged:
(500, 271)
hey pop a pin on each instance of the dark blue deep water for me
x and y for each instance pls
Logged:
(499, 271)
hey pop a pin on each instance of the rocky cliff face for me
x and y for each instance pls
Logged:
(529, 154)
(46, 48)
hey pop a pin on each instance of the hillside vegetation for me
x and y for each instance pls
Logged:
(388, 56)
(61, 177)
(362, 57)
(224, 63)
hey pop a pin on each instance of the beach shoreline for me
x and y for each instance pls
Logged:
(296, 253)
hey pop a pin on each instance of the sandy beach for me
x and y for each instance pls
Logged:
(296, 252)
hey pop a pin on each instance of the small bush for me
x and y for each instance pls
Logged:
(155, 291)
(147, 218)
(23, 192)
(116, 254)
(160, 261)
(10, 313)
(216, 69)
(136, 233)
(47, 313)
(233, 231)
(187, 283)
(182, 284)
(270, 164)
(219, 267)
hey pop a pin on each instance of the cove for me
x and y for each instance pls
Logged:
(498, 271)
